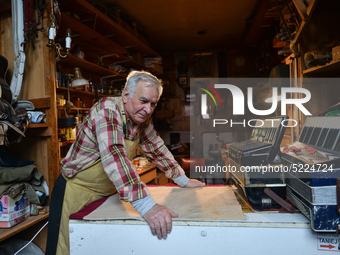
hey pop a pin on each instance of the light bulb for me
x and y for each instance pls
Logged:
(51, 35)
(51, 32)
(68, 39)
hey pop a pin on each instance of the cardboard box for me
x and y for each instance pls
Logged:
(14, 210)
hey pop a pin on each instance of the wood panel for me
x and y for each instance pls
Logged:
(41, 141)
(7, 41)
(34, 73)
(37, 81)
(72, 61)
(148, 173)
(149, 176)
(90, 40)
(103, 24)
(52, 113)
(41, 239)
(5, 233)
(41, 103)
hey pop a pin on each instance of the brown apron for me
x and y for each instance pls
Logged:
(85, 187)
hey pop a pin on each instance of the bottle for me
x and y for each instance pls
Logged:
(110, 91)
(58, 77)
(87, 87)
(103, 86)
(91, 84)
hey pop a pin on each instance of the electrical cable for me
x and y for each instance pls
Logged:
(31, 239)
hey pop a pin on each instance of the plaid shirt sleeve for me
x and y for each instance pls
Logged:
(153, 146)
(105, 127)
(109, 133)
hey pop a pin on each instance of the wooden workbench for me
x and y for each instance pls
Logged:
(148, 173)
(264, 233)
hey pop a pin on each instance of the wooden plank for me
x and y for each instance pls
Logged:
(8, 232)
(106, 25)
(304, 23)
(301, 8)
(75, 109)
(7, 49)
(42, 131)
(149, 176)
(38, 125)
(53, 168)
(328, 70)
(73, 61)
(77, 92)
(41, 239)
(41, 103)
(148, 173)
(93, 41)
(90, 39)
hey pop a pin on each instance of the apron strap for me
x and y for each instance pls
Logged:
(124, 122)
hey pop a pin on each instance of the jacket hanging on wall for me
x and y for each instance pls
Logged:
(13, 122)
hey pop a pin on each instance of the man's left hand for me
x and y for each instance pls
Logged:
(193, 183)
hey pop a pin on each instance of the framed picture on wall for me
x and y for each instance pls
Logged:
(238, 63)
(183, 80)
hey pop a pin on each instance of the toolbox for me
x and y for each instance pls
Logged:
(314, 163)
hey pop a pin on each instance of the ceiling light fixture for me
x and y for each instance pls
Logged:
(78, 81)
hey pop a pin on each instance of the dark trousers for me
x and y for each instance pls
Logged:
(56, 206)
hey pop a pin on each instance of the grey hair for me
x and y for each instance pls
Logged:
(136, 76)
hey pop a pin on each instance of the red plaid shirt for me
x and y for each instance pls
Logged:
(101, 135)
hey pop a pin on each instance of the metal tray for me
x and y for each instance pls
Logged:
(316, 195)
(323, 218)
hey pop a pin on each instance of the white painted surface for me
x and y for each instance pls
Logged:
(260, 233)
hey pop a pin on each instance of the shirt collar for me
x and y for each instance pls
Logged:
(123, 106)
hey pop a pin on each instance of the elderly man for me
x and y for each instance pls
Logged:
(99, 161)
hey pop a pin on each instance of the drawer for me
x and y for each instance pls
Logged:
(149, 176)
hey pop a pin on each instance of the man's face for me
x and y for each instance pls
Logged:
(143, 102)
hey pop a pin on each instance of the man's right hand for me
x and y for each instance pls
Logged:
(159, 218)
